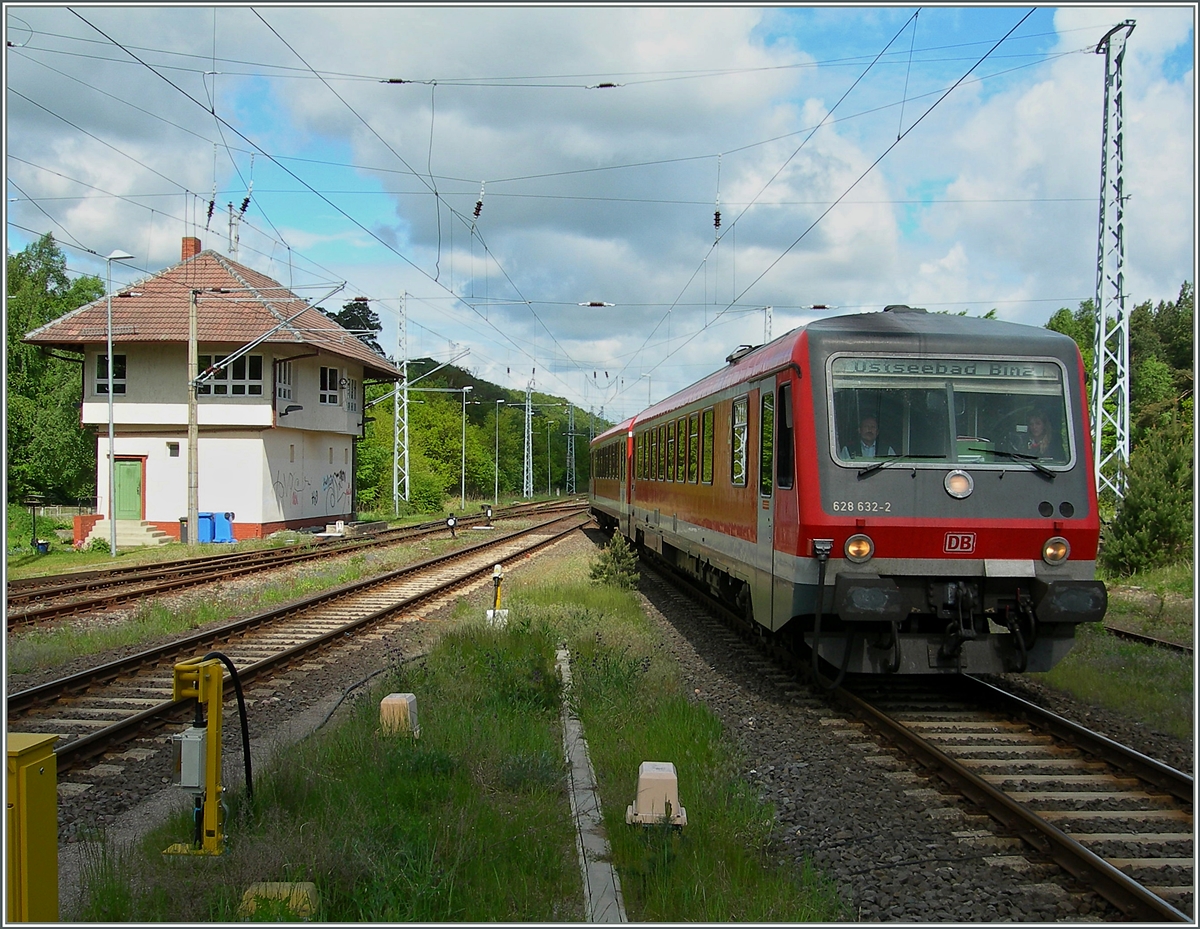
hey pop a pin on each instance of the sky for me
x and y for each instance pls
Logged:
(943, 156)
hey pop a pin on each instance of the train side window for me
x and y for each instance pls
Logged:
(766, 444)
(739, 426)
(706, 445)
(785, 465)
(693, 447)
(681, 449)
(662, 453)
(671, 450)
(654, 454)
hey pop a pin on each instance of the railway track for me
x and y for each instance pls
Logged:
(1121, 823)
(1118, 821)
(43, 599)
(97, 709)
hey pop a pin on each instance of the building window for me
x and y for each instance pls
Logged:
(351, 395)
(329, 393)
(283, 380)
(291, 453)
(173, 449)
(737, 463)
(240, 378)
(118, 374)
(345, 456)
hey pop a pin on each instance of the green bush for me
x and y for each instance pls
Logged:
(1153, 526)
(426, 494)
(616, 564)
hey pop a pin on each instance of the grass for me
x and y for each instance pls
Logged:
(471, 821)
(1146, 683)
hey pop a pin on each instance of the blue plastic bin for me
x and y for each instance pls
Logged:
(222, 527)
(204, 531)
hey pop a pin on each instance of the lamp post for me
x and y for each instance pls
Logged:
(117, 255)
(549, 423)
(465, 391)
(496, 490)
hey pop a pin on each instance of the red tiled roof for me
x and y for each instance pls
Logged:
(156, 310)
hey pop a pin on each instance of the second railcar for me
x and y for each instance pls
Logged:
(905, 492)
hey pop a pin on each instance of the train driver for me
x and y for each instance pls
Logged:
(865, 447)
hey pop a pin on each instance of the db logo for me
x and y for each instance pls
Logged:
(960, 543)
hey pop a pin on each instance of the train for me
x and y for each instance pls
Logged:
(897, 492)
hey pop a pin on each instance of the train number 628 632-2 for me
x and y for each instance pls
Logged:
(862, 506)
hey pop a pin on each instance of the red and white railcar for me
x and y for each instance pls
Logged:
(963, 540)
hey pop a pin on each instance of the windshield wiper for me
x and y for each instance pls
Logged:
(1027, 459)
(871, 468)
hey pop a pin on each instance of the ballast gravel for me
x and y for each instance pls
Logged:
(896, 844)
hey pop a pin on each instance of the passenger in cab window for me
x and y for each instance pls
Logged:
(865, 447)
(1039, 440)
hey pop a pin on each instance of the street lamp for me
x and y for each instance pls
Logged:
(496, 491)
(465, 391)
(549, 423)
(117, 255)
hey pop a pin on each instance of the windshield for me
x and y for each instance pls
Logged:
(948, 409)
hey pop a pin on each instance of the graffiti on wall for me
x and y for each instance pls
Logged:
(289, 486)
(293, 491)
(335, 486)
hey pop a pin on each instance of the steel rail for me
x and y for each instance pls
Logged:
(183, 573)
(78, 750)
(1177, 783)
(1144, 639)
(51, 690)
(1122, 891)
(54, 584)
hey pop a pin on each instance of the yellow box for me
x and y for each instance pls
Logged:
(398, 715)
(32, 828)
(299, 897)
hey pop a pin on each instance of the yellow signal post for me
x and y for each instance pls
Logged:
(198, 753)
(32, 828)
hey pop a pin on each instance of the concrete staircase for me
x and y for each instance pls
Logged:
(131, 533)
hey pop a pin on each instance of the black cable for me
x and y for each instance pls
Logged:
(237, 686)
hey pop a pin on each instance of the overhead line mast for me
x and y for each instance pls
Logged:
(1110, 364)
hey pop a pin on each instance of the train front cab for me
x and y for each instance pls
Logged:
(962, 543)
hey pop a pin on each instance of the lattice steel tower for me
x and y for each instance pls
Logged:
(527, 486)
(570, 488)
(1110, 368)
(400, 472)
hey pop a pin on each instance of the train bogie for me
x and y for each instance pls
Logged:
(903, 492)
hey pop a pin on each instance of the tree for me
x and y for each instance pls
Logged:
(1154, 524)
(358, 317)
(49, 452)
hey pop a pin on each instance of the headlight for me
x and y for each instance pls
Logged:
(859, 548)
(1056, 550)
(959, 484)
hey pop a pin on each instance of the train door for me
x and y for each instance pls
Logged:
(764, 592)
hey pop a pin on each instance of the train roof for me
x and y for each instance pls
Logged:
(619, 429)
(899, 326)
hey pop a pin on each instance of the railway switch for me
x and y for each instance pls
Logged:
(398, 715)
(496, 616)
(657, 796)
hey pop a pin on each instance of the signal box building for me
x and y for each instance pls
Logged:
(276, 427)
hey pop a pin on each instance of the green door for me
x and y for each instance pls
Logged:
(127, 493)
